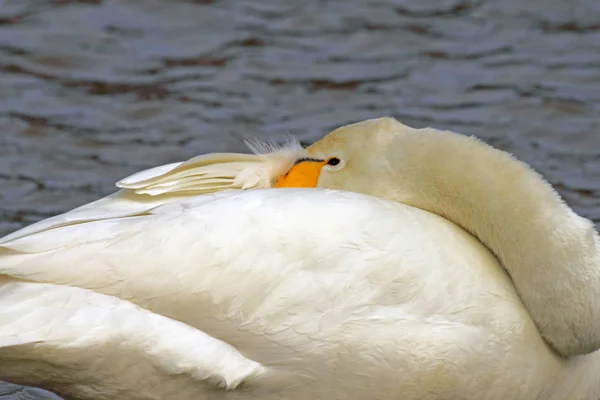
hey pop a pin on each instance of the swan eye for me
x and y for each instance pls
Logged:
(333, 161)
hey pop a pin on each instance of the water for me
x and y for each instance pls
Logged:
(93, 90)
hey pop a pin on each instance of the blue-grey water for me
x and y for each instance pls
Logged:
(93, 90)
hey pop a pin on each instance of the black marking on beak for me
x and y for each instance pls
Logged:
(307, 159)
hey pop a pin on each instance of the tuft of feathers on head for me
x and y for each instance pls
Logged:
(259, 146)
(276, 158)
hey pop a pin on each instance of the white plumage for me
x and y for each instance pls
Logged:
(307, 293)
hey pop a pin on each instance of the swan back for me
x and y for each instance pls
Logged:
(383, 299)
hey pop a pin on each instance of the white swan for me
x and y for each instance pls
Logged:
(304, 293)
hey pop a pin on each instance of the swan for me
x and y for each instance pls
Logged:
(380, 262)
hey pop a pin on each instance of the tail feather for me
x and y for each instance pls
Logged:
(214, 172)
(194, 166)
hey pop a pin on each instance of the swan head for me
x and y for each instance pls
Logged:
(380, 157)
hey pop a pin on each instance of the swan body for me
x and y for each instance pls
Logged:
(408, 289)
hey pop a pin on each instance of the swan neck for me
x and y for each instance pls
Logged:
(551, 254)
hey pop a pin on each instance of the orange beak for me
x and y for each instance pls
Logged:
(304, 174)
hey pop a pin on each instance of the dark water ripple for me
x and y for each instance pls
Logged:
(93, 90)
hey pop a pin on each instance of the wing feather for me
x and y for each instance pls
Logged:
(142, 192)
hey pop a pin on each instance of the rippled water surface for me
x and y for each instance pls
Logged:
(93, 90)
